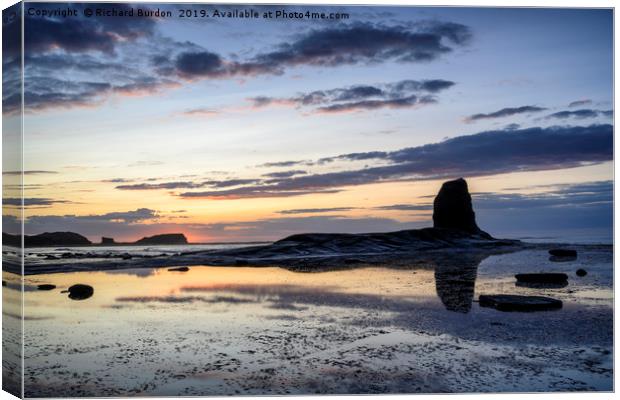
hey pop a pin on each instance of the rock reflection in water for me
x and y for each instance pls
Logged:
(455, 280)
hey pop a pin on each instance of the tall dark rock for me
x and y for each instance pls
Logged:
(453, 209)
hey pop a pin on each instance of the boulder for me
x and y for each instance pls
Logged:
(557, 278)
(80, 292)
(46, 286)
(581, 272)
(563, 253)
(508, 302)
(452, 208)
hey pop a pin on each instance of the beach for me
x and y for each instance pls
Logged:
(226, 330)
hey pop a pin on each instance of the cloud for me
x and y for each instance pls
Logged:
(567, 195)
(117, 180)
(369, 155)
(201, 112)
(157, 186)
(32, 202)
(580, 114)
(285, 174)
(82, 62)
(406, 207)
(187, 184)
(402, 94)
(141, 214)
(230, 182)
(284, 164)
(406, 102)
(367, 43)
(127, 224)
(580, 103)
(316, 210)
(78, 61)
(361, 43)
(482, 154)
(29, 172)
(249, 192)
(505, 112)
(81, 34)
(43, 93)
(203, 64)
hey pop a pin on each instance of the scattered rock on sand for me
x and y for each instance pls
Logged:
(179, 269)
(581, 272)
(46, 286)
(563, 253)
(507, 302)
(80, 292)
(555, 278)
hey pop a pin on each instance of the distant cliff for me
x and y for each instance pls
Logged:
(46, 239)
(167, 238)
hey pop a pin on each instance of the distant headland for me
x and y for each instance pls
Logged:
(48, 239)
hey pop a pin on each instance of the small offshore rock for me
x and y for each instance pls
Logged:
(581, 272)
(46, 286)
(179, 269)
(563, 252)
(544, 277)
(508, 302)
(80, 292)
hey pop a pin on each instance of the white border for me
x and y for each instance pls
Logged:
(471, 3)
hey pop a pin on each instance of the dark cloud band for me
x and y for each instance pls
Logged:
(505, 112)
(486, 153)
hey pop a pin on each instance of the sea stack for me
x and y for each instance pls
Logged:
(107, 240)
(453, 209)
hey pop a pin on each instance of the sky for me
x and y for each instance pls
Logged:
(229, 129)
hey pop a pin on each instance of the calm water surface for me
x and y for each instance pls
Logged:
(234, 330)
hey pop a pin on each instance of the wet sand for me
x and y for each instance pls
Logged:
(372, 329)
